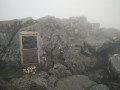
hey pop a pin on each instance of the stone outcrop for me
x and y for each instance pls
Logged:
(69, 49)
(115, 63)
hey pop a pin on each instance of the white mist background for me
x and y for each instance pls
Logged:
(105, 12)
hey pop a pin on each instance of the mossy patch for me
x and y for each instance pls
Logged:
(61, 76)
(10, 73)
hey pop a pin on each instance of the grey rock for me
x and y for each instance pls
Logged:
(59, 70)
(75, 82)
(58, 35)
(77, 62)
(34, 82)
(39, 84)
(51, 81)
(59, 66)
(24, 20)
(114, 85)
(53, 88)
(8, 30)
(21, 83)
(115, 63)
(99, 87)
(65, 41)
(43, 74)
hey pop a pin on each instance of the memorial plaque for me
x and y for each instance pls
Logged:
(29, 42)
(29, 47)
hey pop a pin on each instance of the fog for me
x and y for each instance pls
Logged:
(105, 12)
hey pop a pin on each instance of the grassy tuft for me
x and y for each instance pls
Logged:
(10, 73)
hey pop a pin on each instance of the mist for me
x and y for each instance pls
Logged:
(105, 12)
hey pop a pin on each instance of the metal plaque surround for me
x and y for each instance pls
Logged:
(29, 47)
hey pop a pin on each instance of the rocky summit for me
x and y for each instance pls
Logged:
(74, 55)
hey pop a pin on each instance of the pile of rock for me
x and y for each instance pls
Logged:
(71, 49)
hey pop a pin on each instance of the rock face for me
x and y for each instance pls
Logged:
(65, 40)
(68, 47)
(8, 30)
(115, 63)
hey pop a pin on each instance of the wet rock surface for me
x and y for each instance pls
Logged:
(71, 50)
(115, 63)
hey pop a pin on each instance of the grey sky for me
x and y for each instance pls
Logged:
(105, 12)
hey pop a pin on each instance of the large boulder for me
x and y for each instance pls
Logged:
(78, 82)
(59, 70)
(78, 62)
(115, 63)
(8, 30)
(39, 84)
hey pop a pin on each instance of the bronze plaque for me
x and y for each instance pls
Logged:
(29, 47)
